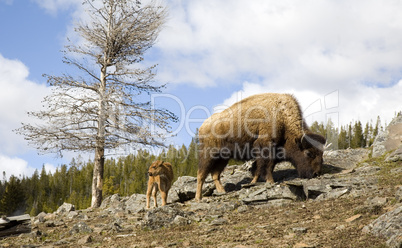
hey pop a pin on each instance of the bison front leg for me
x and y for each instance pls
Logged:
(219, 166)
(259, 167)
(270, 170)
(216, 176)
(264, 167)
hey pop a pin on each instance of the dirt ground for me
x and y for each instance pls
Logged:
(332, 223)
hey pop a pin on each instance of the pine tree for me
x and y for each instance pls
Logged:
(357, 140)
(342, 139)
(13, 201)
(366, 136)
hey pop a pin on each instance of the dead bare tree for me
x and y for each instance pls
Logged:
(103, 106)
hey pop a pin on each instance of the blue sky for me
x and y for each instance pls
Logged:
(341, 59)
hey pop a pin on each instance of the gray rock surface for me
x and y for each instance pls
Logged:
(395, 155)
(65, 208)
(345, 159)
(390, 139)
(388, 225)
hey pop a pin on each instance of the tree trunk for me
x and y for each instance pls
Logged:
(97, 179)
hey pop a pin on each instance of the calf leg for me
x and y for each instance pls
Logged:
(164, 195)
(149, 191)
(164, 188)
(154, 192)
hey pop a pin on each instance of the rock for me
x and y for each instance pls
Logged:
(215, 207)
(268, 192)
(353, 218)
(219, 222)
(376, 201)
(164, 216)
(80, 227)
(72, 214)
(398, 194)
(183, 189)
(345, 159)
(388, 225)
(333, 194)
(85, 240)
(181, 221)
(395, 155)
(65, 208)
(299, 230)
(367, 169)
(135, 203)
(389, 139)
(114, 204)
(40, 218)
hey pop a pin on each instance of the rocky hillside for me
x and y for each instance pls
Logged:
(357, 202)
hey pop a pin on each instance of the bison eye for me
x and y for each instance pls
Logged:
(309, 154)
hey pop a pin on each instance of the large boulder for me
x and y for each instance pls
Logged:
(390, 139)
(388, 225)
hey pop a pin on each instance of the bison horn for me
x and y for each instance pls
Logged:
(327, 145)
(315, 143)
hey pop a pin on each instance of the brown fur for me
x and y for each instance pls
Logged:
(266, 127)
(160, 178)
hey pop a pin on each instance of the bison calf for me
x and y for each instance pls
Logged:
(160, 178)
(268, 128)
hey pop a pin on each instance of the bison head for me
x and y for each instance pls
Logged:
(309, 159)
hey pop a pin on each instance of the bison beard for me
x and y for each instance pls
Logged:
(268, 128)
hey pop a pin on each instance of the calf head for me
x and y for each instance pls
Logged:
(156, 168)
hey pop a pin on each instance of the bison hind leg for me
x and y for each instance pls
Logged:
(216, 172)
(213, 166)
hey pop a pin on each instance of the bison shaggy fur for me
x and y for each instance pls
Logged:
(268, 128)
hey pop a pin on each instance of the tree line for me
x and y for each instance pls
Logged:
(126, 175)
(352, 135)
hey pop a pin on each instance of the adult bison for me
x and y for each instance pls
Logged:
(268, 128)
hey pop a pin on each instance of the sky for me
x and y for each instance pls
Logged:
(341, 59)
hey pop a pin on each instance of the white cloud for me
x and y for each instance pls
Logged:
(19, 167)
(341, 106)
(311, 49)
(313, 45)
(14, 166)
(17, 96)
